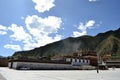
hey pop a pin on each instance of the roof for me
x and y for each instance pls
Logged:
(81, 57)
(41, 61)
(113, 61)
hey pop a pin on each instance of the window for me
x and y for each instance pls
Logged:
(73, 60)
(77, 60)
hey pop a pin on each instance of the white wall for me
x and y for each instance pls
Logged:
(78, 62)
(9, 64)
(68, 59)
(14, 66)
(34, 65)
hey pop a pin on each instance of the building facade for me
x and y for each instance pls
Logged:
(77, 61)
(40, 65)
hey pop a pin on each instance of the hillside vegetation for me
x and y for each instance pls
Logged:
(103, 43)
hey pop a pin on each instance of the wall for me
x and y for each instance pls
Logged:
(3, 62)
(78, 62)
(33, 65)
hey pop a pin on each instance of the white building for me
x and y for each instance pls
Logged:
(40, 65)
(77, 61)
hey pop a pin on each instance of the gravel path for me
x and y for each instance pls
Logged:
(1, 77)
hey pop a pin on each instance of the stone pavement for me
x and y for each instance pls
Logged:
(1, 77)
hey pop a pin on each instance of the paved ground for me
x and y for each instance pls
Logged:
(1, 77)
(11, 74)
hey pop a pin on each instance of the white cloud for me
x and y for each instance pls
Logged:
(41, 41)
(41, 28)
(19, 33)
(90, 23)
(3, 30)
(43, 5)
(48, 25)
(77, 34)
(38, 32)
(2, 27)
(13, 47)
(83, 28)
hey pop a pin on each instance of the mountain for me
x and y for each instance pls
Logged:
(1, 56)
(103, 43)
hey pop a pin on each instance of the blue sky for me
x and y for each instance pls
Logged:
(27, 24)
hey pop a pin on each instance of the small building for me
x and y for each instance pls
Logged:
(40, 65)
(113, 63)
(3, 62)
(93, 60)
(67, 63)
(77, 61)
(74, 61)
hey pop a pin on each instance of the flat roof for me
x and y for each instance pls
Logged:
(41, 61)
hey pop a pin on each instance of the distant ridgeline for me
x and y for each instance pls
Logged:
(107, 45)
